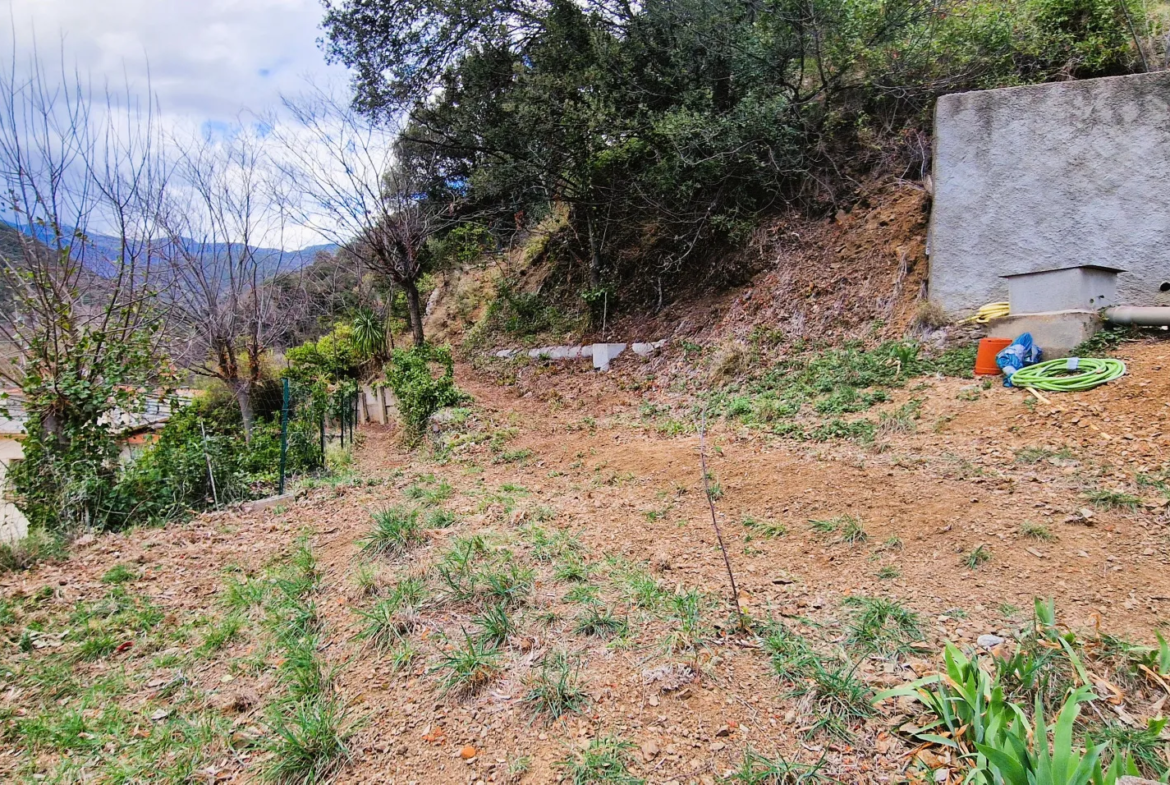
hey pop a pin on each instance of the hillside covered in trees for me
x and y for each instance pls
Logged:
(668, 129)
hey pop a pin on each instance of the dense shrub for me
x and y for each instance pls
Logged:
(332, 357)
(423, 381)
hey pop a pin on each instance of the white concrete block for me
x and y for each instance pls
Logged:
(603, 353)
(646, 349)
(1056, 333)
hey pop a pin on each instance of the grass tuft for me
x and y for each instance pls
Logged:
(396, 530)
(756, 769)
(839, 697)
(555, 691)
(978, 557)
(469, 667)
(119, 573)
(767, 529)
(882, 626)
(600, 622)
(852, 531)
(1036, 531)
(792, 657)
(309, 742)
(605, 761)
(495, 625)
(1113, 500)
(384, 624)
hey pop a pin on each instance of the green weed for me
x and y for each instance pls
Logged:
(838, 695)
(689, 630)
(309, 742)
(852, 531)
(791, 656)
(573, 569)
(1036, 531)
(469, 667)
(227, 630)
(495, 625)
(1113, 500)
(384, 625)
(882, 626)
(757, 769)
(396, 530)
(767, 529)
(978, 557)
(438, 518)
(600, 622)
(605, 761)
(555, 690)
(428, 491)
(510, 585)
(119, 573)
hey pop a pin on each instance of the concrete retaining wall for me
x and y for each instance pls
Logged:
(1054, 175)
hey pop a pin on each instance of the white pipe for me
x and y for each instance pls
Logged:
(1152, 316)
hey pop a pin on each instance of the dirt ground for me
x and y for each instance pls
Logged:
(573, 452)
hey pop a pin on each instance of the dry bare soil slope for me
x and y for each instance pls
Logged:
(552, 554)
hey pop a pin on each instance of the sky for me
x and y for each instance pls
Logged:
(208, 60)
(210, 63)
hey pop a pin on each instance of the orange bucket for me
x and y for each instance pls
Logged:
(985, 357)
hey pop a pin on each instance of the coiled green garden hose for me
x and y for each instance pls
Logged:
(1069, 375)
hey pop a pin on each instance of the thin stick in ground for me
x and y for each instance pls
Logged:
(715, 520)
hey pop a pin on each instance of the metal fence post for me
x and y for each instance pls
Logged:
(353, 421)
(283, 433)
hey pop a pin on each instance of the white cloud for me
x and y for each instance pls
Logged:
(210, 63)
(207, 59)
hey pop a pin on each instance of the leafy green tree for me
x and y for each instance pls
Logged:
(669, 126)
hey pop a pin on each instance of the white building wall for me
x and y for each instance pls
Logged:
(13, 524)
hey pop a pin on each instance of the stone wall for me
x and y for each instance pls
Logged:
(1055, 175)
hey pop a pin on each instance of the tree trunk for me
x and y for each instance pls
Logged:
(594, 250)
(415, 307)
(243, 391)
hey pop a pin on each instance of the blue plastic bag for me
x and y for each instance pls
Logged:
(1022, 353)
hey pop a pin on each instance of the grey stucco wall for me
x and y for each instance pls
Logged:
(1053, 175)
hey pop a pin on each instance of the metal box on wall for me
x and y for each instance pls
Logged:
(1087, 287)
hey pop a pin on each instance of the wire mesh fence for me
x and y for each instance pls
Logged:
(294, 426)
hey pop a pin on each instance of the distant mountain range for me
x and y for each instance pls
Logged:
(105, 248)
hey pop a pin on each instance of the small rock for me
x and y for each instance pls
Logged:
(717, 746)
(650, 750)
(468, 752)
(989, 641)
(722, 732)
(942, 775)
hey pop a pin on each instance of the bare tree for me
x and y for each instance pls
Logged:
(76, 164)
(224, 214)
(83, 177)
(354, 192)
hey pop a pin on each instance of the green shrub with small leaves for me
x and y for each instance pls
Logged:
(421, 391)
